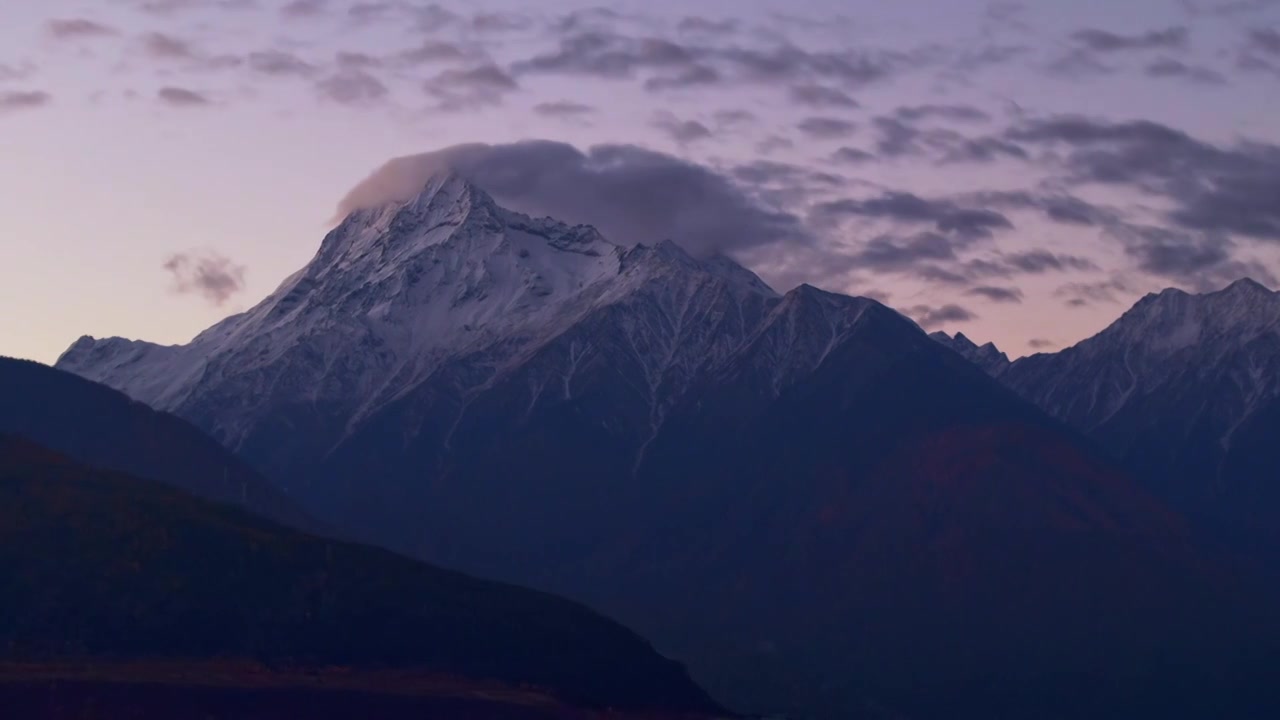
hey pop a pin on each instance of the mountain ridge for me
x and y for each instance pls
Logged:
(1169, 389)
(802, 495)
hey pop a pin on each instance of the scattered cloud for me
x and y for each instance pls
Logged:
(304, 9)
(280, 63)
(182, 97)
(168, 47)
(851, 156)
(822, 96)
(1105, 41)
(78, 28)
(683, 132)
(1078, 64)
(996, 294)
(13, 101)
(1213, 189)
(11, 73)
(707, 26)
(353, 87)
(906, 208)
(956, 113)
(1198, 260)
(563, 109)
(1081, 294)
(827, 128)
(1178, 70)
(207, 274)
(1039, 261)
(930, 318)
(470, 88)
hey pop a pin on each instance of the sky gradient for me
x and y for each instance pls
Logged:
(1021, 172)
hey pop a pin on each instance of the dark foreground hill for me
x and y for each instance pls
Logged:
(104, 428)
(109, 583)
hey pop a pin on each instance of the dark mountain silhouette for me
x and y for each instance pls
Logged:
(1184, 391)
(110, 581)
(104, 428)
(803, 495)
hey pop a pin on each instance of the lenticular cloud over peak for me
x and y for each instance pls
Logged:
(632, 195)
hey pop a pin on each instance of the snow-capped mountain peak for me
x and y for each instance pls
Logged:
(399, 291)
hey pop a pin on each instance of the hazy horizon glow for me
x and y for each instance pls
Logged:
(1021, 172)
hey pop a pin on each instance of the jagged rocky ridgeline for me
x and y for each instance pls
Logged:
(1184, 391)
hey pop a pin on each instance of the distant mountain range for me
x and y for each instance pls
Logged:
(818, 507)
(1184, 390)
(133, 599)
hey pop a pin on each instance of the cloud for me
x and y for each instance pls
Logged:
(706, 26)
(1266, 41)
(210, 275)
(605, 53)
(821, 96)
(470, 88)
(851, 156)
(769, 173)
(433, 51)
(1105, 41)
(683, 132)
(1176, 69)
(693, 76)
(304, 9)
(1041, 344)
(730, 118)
(1212, 189)
(1201, 261)
(957, 113)
(773, 144)
(996, 294)
(1059, 207)
(1080, 294)
(929, 317)
(279, 62)
(77, 28)
(9, 73)
(1039, 261)
(563, 109)
(630, 194)
(826, 128)
(896, 137)
(13, 101)
(890, 254)
(609, 55)
(1078, 64)
(167, 47)
(907, 208)
(182, 97)
(353, 87)
(496, 22)
(1228, 8)
(169, 7)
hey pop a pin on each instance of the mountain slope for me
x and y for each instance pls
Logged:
(1182, 389)
(102, 568)
(806, 497)
(101, 427)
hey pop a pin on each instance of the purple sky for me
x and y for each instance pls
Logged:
(1020, 171)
